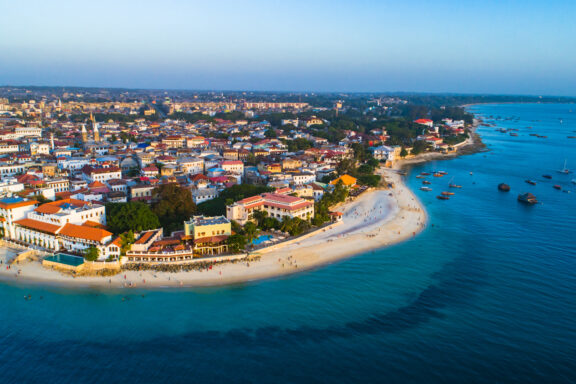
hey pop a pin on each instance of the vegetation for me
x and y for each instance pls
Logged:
(133, 216)
(236, 243)
(322, 207)
(91, 254)
(173, 205)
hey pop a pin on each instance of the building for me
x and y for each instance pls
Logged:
(276, 205)
(209, 234)
(13, 209)
(101, 174)
(347, 180)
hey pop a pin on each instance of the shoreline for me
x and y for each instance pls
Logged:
(377, 219)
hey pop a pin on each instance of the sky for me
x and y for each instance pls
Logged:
(462, 46)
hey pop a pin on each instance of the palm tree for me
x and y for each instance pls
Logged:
(251, 231)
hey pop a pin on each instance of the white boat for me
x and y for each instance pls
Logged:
(565, 170)
(426, 189)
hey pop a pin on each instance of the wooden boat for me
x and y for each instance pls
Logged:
(454, 185)
(531, 182)
(503, 187)
(425, 189)
(446, 193)
(558, 187)
(441, 197)
(425, 173)
(419, 176)
(547, 177)
(442, 172)
(436, 174)
(426, 182)
(527, 198)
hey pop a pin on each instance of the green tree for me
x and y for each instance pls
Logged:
(133, 216)
(236, 243)
(270, 133)
(91, 254)
(403, 152)
(173, 205)
(126, 240)
(250, 231)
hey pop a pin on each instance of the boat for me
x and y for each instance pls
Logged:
(531, 182)
(425, 189)
(571, 137)
(471, 173)
(437, 174)
(503, 187)
(573, 181)
(565, 170)
(426, 182)
(445, 193)
(425, 173)
(547, 177)
(527, 198)
(442, 172)
(419, 176)
(513, 134)
(442, 197)
(454, 185)
(558, 187)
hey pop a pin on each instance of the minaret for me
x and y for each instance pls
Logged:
(84, 134)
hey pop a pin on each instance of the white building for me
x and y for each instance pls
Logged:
(276, 205)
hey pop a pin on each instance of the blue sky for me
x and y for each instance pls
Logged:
(489, 46)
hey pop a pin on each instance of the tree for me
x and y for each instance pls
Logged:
(173, 205)
(133, 216)
(236, 243)
(91, 254)
(270, 133)
(403, 152)
(126, 240)
(250, 231)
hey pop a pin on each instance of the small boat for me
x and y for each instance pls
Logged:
(513, 134)
(441, 197)
(445, 193)
(503, 187)
(454, 185)
(426, 182)
(419, 176)
(571, 137)
(527, 198)
(437, 174)
(547, 177)
(425, 173)
(533, 134)
(471, 173)
(425, 189)
(442, 172)
(565, 170)
(531, 182)
(558, 187)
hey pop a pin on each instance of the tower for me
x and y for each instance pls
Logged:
(84, 134)
(95, 128)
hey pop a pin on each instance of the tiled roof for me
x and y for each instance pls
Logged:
(83, 232)
(38, 226)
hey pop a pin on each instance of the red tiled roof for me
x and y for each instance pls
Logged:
(38, 226)
(83, 232)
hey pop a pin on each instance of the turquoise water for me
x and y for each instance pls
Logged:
(260, 239)
(487, 293)
(63, 258)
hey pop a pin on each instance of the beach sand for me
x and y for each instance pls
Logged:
(376, 219)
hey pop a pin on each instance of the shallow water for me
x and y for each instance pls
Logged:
(485, 294)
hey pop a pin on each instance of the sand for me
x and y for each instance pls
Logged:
(376, 219)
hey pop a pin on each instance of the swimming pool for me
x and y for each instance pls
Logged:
(260, 239)
(63, 258)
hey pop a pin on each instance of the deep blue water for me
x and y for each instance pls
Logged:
(486, 294)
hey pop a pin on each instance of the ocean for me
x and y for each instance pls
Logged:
(486, 294)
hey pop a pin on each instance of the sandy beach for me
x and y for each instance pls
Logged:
(376, 219)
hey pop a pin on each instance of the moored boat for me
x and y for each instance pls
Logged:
(426, 182)
(442, 197)
(527, 198)
(425, 189)
(503, 187)
(446, 193)
(565, 170)
(547, 176)
(558, 187)
(531, 182)
(454, 185)
(437, 174)
(425, 173)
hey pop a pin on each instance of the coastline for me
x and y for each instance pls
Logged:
(377, 219)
